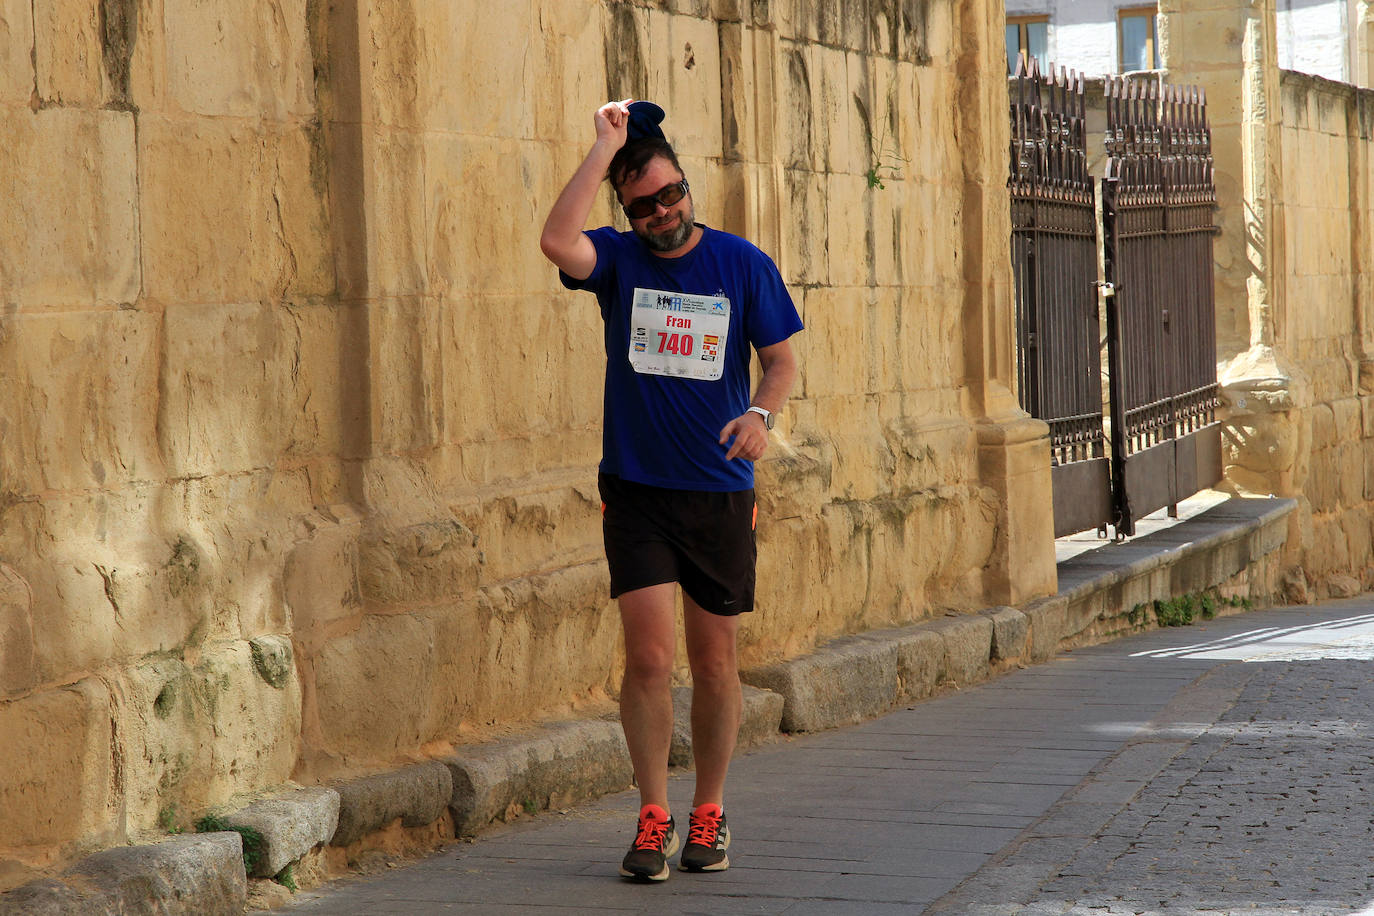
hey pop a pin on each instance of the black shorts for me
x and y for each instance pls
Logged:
(702, 540)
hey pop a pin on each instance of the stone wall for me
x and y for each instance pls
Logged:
(1327, 213)
(298, 430)
(1295, 161)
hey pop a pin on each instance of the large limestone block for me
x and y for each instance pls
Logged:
(863, 460)
(90, 256)
(78, 415)
(199, 875)
(840, 356)
(684, 77)
(16, 632)
(395, 212)
(562, 621)
(321, 576)
(227, 370)
(57, 769)
(803, 255)
(1010, 630)
(847, 681)
(968, 647)
(424, 562)
(204, 733)
(68, 54)
(231, 211)
(16, 39)
(475, 69)
(795, 590)
(539, 529)
(246, 60)
(558, 765)
(571, 51)
(374, 686)
(541, 375)
(458, 184)
(406, 380)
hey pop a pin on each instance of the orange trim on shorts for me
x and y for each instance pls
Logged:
(603, 510)
(754, 524)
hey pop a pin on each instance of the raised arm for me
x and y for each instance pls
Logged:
(562, 240)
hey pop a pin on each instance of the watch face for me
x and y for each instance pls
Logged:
(768, 422)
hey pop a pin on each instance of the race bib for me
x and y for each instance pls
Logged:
(679, 334)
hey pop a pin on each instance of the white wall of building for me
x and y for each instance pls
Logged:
(1313, 35)
(1082, 33)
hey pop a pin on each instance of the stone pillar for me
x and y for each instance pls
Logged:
(1013, 448)
(1362, 43)
(1229, 49)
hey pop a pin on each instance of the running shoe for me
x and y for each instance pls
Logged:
(655, 841)
(707, 840)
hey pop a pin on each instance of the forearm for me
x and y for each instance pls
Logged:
(779, 374)
(568, 216)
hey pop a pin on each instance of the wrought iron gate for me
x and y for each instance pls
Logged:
(1157, 205)
(1054, 252)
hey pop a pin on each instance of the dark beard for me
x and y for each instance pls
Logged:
(670, 241)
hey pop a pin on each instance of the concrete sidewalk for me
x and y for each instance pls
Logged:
(1133, 777)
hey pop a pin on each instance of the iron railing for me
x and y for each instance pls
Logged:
(1054, 256)
(1158, 201)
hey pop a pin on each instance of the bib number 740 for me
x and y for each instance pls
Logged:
(676, 344)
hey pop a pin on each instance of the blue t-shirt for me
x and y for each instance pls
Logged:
(663, 430)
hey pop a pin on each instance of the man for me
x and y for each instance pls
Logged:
(682, 304)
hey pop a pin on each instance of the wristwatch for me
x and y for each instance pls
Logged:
(763, 412)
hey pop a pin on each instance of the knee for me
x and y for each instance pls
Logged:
(716, 670)
(649, 665)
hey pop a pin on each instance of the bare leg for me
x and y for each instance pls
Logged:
(716, 698)
(649, 618)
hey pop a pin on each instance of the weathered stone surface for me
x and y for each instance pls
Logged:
(272, 658)
(1010, 629)
(1340, 586)
(262, 67)
(844, 682)
(203, 734)
(968, 647)
(291, 824)
(56, 777)
(199, 875)
(16, 632)
(1048, 620)
(90, 256)
(557, 765)
(760, 717)
(416, 794)
(920, 661)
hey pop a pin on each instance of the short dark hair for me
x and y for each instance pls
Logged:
(632, 158)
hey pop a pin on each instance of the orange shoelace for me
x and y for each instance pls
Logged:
(652, 834)
(704, 828)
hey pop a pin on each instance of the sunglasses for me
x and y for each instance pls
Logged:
(666, 196)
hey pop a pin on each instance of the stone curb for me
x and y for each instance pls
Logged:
(417, 795)
(197, 875)
(557, 766)
(857, 678)
(760, 722)
(290, 824)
